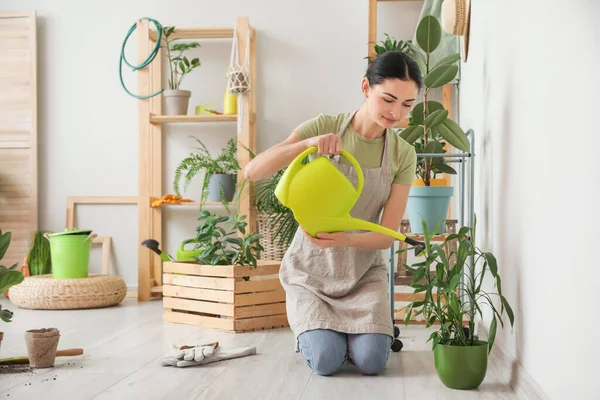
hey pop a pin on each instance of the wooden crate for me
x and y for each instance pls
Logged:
(218, 297)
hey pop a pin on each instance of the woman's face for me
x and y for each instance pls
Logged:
(391, 101)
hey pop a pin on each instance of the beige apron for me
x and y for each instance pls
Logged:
(344, 289)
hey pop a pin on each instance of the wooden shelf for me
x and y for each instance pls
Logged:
(198, 33)
(162, 119)
(206, 203)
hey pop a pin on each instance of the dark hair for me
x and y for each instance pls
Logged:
(394, 65)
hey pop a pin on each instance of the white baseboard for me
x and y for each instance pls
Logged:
(510, 370)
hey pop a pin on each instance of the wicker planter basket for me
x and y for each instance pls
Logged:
(273, 249)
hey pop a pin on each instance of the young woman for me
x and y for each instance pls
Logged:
(336, 283)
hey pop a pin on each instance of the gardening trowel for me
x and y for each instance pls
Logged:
(25, 360)
(153, 245)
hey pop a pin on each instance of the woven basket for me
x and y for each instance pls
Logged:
(43, 292)
(273, 249)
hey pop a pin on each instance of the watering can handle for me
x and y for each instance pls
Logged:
(349, 157)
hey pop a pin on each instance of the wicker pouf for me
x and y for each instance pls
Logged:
(43, 292)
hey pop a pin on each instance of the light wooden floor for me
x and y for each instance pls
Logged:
(123, 346)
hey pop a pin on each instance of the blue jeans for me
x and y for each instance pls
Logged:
(325, 351)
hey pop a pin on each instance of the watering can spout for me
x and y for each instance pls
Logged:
(351, 223)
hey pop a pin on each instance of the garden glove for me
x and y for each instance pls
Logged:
(188, 356)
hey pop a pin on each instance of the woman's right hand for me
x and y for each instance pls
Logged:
(330, 144)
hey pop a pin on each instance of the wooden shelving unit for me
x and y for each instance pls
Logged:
(151, 121)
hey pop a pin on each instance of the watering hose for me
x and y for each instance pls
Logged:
(146, 62)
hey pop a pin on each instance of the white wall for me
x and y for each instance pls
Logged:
(310, 59)
(530, 91)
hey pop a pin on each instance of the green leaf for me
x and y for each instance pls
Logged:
(509, 311)
(412, 133)
(6, 315)
(186, 61)
(4, 243)
(436, 118)
(440, 76)
(452, 58)
(491, 260)
(429, 33)
(445, 169)
(433, 147)
(453, 134)
(9, 278)
(439, 271)
(419, 275)
(492, 336)
(454, 282)
(418, 114)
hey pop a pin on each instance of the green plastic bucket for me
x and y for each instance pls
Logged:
(70, 253)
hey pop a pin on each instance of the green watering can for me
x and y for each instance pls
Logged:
(182, 254)
(321, 198)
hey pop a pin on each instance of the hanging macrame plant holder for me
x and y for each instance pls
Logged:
(238, 76)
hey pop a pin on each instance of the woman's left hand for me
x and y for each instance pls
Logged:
(325, 240)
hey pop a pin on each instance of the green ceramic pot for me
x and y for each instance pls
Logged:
(461, 367)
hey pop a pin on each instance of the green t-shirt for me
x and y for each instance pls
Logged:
(368, 152)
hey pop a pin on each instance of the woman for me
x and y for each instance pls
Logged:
(336, 283)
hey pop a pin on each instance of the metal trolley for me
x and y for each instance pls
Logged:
(453, 158)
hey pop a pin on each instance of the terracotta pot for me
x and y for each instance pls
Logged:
(41, 347)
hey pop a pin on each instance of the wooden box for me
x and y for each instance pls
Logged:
(219, 297)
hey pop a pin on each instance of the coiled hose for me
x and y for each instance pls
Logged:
(143, 64)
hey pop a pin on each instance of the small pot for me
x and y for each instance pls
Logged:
(226, 182)
(41, 347)
(176, 102)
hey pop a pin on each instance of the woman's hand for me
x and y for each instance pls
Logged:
(330, 144)
(326, 240)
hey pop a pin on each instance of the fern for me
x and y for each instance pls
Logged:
(225, 163)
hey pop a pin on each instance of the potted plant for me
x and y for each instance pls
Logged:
(390, 44)
(220, 174)
(177, 100)
(430, 129)
(8, 277)
(227, 287)
(220, 247)
(460, 356)
(276, 222)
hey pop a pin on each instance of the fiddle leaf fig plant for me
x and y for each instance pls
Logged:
(430, 127)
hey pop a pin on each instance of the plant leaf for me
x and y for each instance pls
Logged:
(9, 278)
(452, 58)
(491, 260)
(418, 112)
(4, 243)
(435, 118)
(509, 311)
(412, 133)
(492, 336)
(429, 33)
(454, 282)
(453, 134)
(440, 76)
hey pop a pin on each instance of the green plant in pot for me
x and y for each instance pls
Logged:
(9, 277)
(390, 44)
(276, 222)
(453, 297)
(220, 174)
(430, 129)
(223, 240)
(177, 100)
